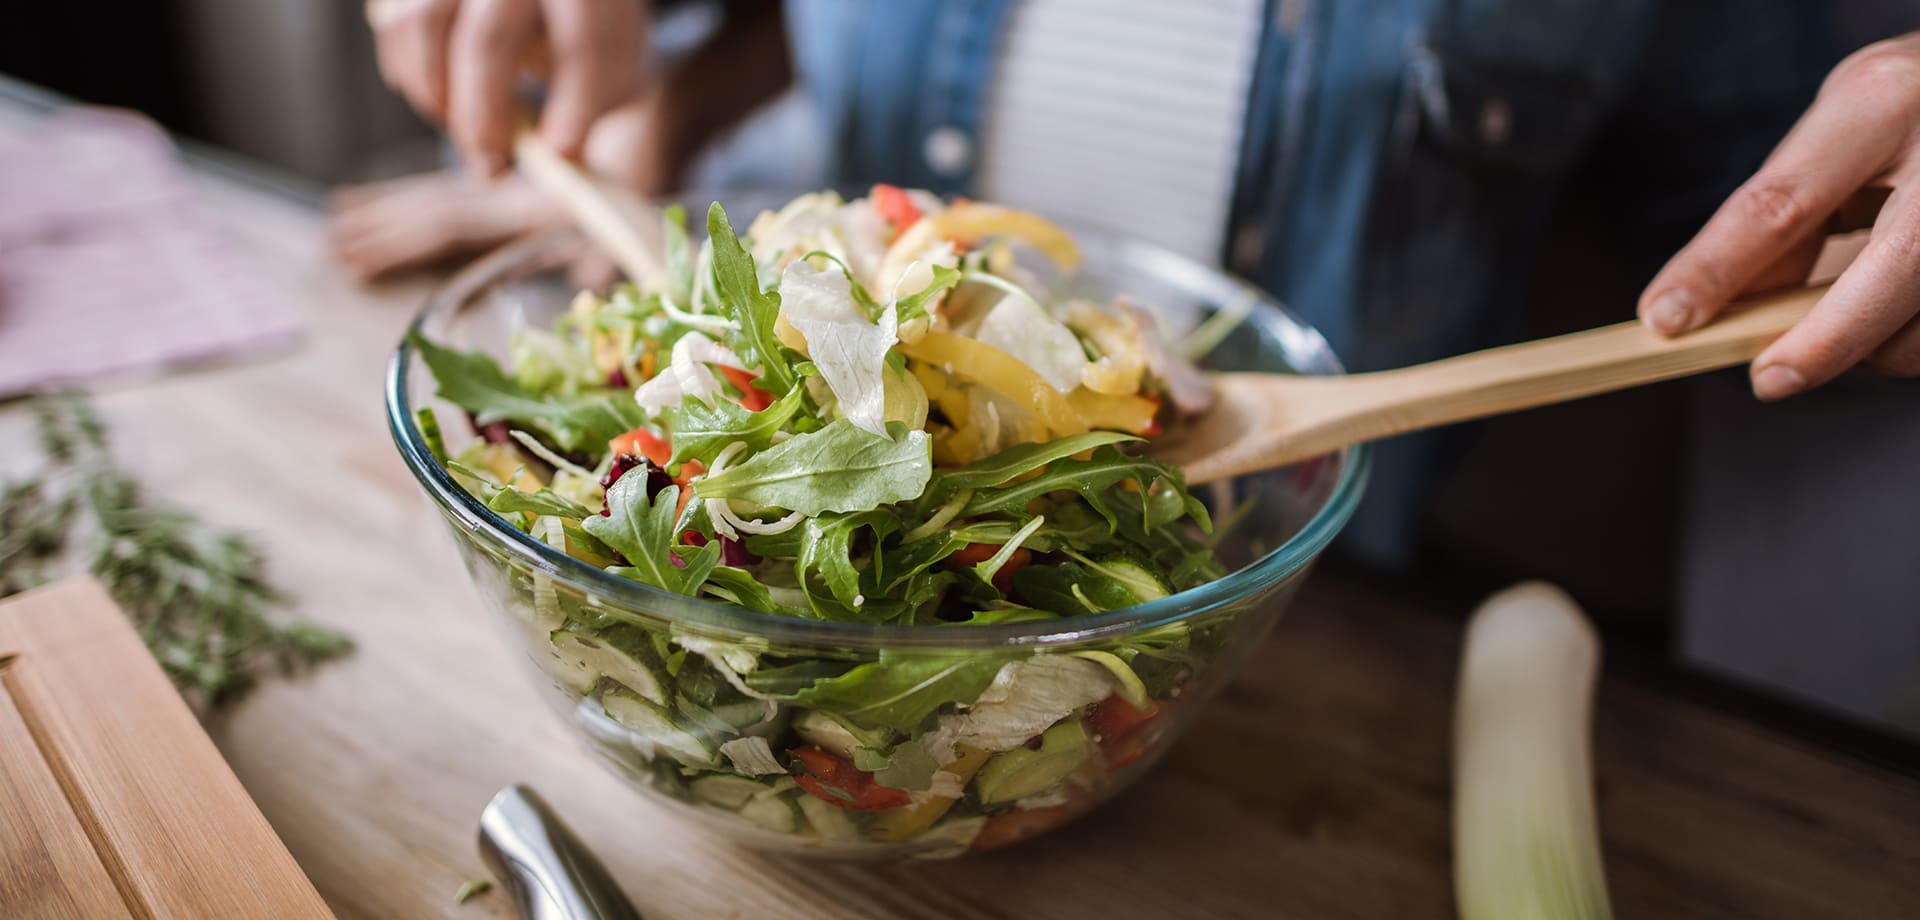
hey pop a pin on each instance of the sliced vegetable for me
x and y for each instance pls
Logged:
(837, 782)
(1122, 729)
(1026, 771)
(894, 205)
(1003, 373)
(1525, 839)
(621, 655)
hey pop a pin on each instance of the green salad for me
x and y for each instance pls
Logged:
(866, 411)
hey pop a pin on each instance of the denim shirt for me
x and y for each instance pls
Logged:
(1400, 160)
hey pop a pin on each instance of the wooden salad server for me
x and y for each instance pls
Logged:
(1264, 421)
(626, 225)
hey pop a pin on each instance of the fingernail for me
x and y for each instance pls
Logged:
(1777, 381)
(1671, 313)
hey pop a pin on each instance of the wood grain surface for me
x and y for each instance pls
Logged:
(113, 802)
(1315, 788)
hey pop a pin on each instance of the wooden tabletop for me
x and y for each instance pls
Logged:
(1316, 787)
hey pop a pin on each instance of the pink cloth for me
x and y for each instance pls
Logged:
(107, 265)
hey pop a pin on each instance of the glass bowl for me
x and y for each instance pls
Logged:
(673, 692)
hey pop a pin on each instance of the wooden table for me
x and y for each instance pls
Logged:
(1316, 788)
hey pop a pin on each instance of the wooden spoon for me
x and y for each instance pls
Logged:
(624, 224)
(1263, 421)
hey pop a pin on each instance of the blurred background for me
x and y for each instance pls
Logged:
(1588, 495)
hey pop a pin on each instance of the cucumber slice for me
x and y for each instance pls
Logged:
(827, 821)
(773, 812)
(655, 726)
(580, 659)
(1139, 579)
(1022, 772)
(724, 791)
(949, 838)
(835, 736)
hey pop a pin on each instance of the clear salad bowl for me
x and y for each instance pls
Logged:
(725, 712)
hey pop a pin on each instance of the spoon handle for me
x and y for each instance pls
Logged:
(624, 224)
(548, 872)
(1566, 367)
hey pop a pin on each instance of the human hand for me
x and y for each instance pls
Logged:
(433, 219)
(1852, 162)
(456, 61)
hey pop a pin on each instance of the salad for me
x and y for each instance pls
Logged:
(870, 411)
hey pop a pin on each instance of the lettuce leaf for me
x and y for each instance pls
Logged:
(848, 347)
(908, 765)
(1019, 326)
(838, 468)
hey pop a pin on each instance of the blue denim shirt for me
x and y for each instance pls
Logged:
(1401, 158)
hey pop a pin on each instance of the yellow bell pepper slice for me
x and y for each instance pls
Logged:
(908, 821)
(931, 378)
(1001, 372)
(505, 464)
(1132, 414)
(969, 223)
(788, 334)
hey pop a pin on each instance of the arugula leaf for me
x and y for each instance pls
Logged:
(1094, 479)
(839, 468)
(701, 431)
(987, 569)
(545, 501)
(738, 586)
(478, 483)
(1012, 614)
(751, 308)
(1071, 589)
(902, 689)
(648, 534)
(913, 306)
(827, 548)
(581, 541)
(475, 382)
(910, 559)
(784, 681)
(1015, 462)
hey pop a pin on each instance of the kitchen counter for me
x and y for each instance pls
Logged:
(1316, 787)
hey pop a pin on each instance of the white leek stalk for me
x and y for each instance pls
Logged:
(1525, 841)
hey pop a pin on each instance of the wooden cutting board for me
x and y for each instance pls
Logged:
(113, 801)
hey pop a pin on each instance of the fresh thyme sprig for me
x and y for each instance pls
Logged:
(197, 595)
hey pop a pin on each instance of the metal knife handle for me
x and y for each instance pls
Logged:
(550, 874)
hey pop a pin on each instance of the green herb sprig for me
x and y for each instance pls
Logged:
(197, 595)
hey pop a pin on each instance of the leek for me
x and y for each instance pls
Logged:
(1525, 839)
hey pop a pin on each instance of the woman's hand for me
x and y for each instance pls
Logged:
(1852, 162)
(456, 62)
